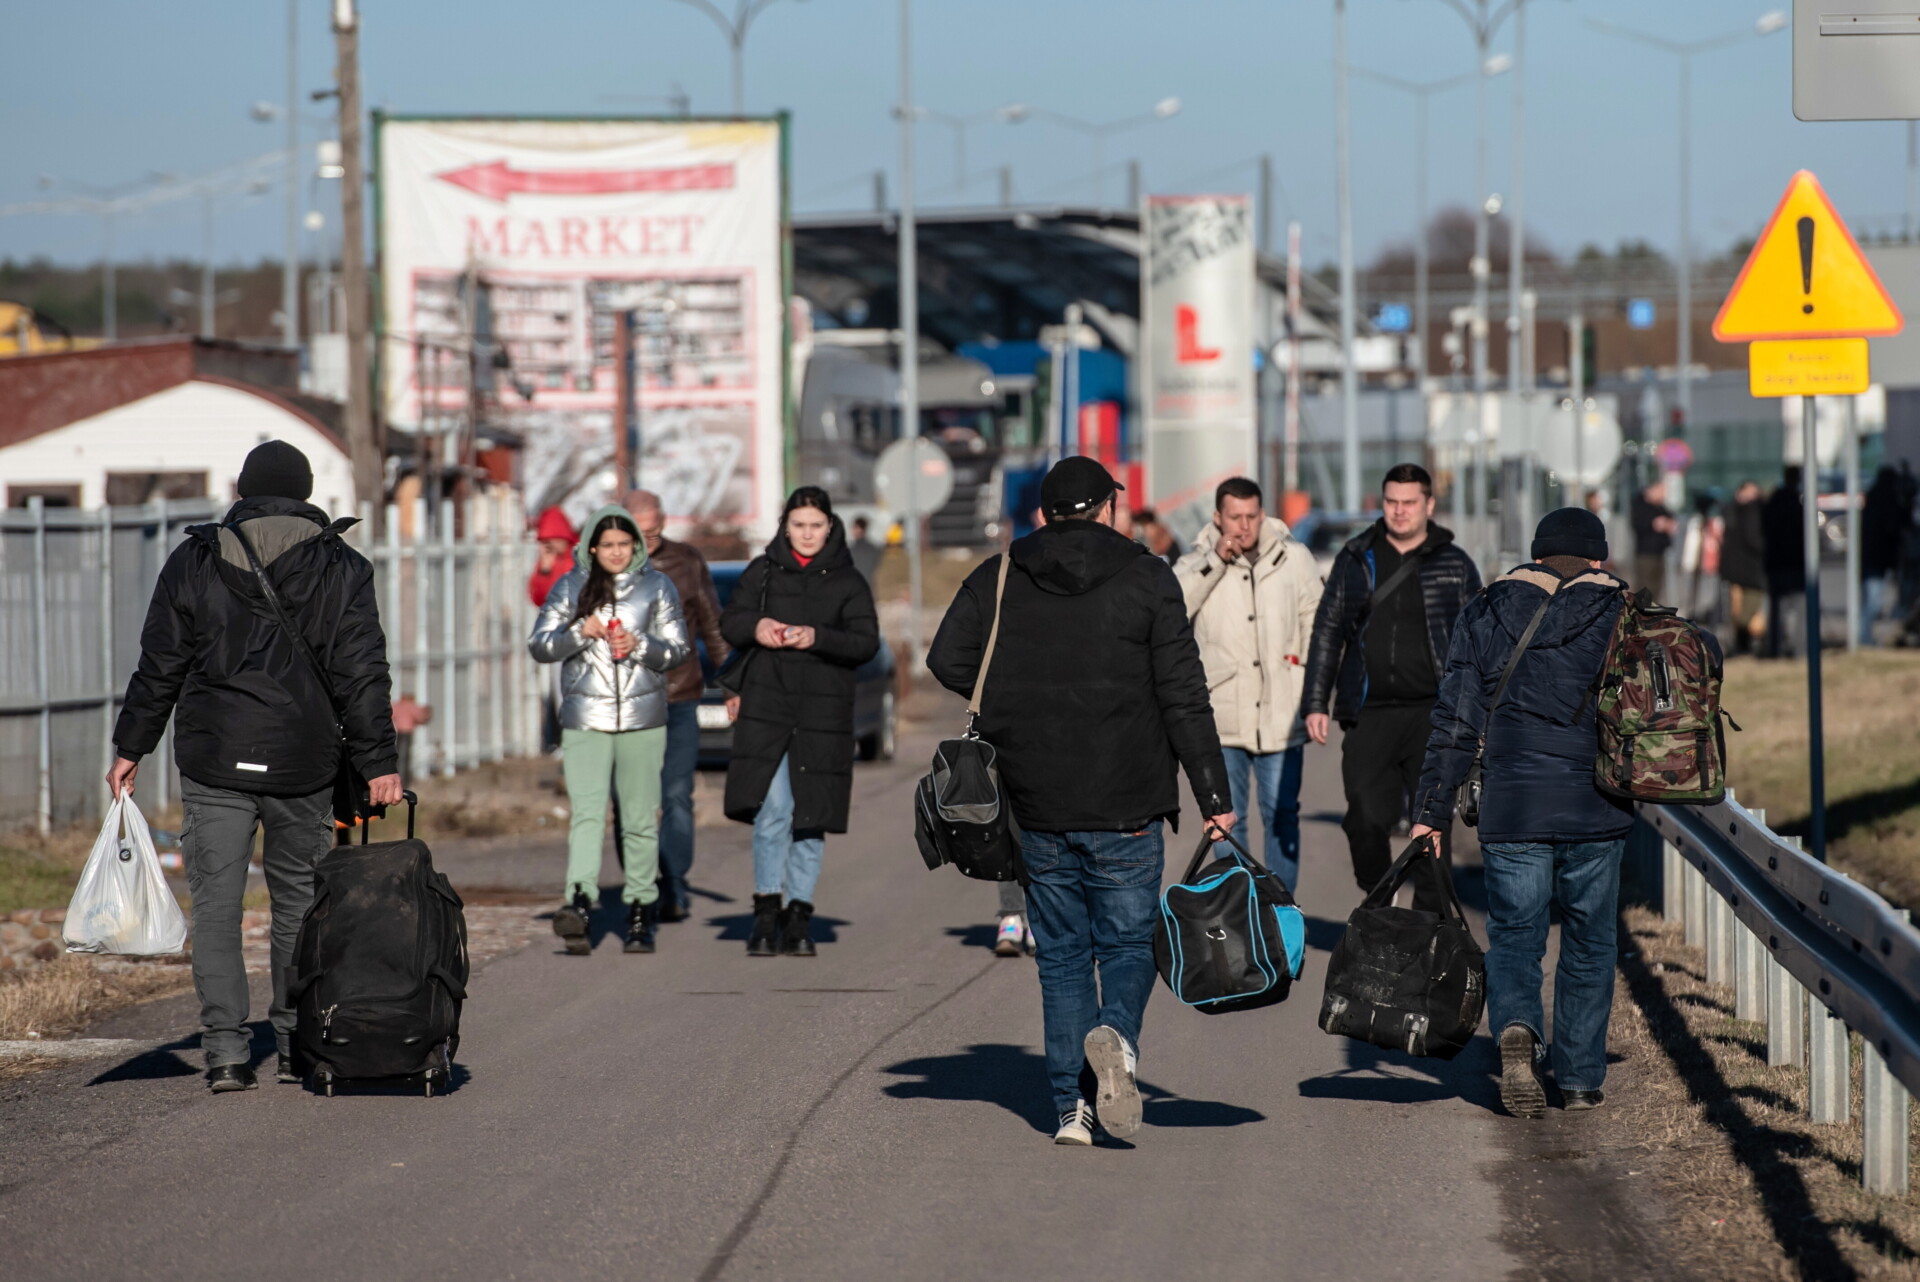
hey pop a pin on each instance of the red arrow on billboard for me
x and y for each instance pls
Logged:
(497, 180)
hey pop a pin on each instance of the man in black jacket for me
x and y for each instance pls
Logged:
(1380, 639)
(1094, 691)
(1549, 838)
(1784, 542)
(259, 730)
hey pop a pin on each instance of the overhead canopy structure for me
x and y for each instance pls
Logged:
(985, 274)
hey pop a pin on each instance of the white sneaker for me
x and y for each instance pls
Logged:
(1012, 938)
(1118, 1099)
(1076, 1125)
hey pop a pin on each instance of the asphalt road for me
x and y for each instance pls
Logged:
(878, 1112)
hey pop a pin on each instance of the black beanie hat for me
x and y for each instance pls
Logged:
(1570, 531)
(275, 469)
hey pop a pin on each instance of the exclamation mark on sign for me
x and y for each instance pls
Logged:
(1805, 228)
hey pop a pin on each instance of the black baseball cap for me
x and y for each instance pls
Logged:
(1074, 485)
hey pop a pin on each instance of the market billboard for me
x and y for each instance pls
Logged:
(530, 235)
(1197, 382)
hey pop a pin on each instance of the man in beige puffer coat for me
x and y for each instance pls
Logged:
(1252, 593)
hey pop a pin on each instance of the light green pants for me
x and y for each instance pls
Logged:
(628, 761)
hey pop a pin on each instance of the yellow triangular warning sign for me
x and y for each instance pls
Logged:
(1806, 278)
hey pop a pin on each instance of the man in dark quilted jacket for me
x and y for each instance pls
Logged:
(1549, 838)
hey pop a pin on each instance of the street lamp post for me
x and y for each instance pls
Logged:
(1343, 198)
(1165, 109)
(909, 332)
(960, 125)
(735, 29)
(1420, 91)
(1765, 25)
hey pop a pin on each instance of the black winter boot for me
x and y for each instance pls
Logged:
(796, 935)
(572, 922)
(641, 919)
(764, 941)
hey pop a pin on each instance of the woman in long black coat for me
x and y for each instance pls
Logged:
(802, 618)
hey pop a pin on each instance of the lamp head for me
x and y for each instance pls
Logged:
(1166, 107)
(1770, 22)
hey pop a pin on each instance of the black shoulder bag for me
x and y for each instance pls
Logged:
(348, 786)
(733, 677)
(1471, 787)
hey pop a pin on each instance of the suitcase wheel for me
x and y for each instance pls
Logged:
(323, 1079)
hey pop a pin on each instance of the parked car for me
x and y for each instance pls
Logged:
(874, 710)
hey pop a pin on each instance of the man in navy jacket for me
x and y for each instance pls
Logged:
(1548, 837)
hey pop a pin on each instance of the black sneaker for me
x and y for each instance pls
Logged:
(640, 923)
(796, 934)
(1581, 1101)
(283, 1071)
(572, 921)
(232, 1077)
(764, 939)
(1520, 1090)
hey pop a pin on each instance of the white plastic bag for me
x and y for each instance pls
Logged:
(122, 904)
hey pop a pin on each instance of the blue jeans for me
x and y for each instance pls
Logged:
(676, 798)
(1873, 595)
(1277, 776)
(1524, 881)
(782, 858)
(1093, 899)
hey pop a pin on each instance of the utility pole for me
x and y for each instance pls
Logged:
(1349, 377)
(206, 263)
(909, 331)
(1519, 376)
(1006, 186)
(1577, 377)
(625, 465)
(290, 266)
(369, 472)
(1290, 470)
(879, 191)
(1266, 204)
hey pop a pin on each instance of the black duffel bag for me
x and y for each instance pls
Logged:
(960, 811)
(1404, 978)
(1230, 936)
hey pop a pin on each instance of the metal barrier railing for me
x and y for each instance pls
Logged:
(1779, 927)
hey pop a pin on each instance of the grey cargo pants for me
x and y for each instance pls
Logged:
(217, 841)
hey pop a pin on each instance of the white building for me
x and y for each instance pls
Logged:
(172, 419)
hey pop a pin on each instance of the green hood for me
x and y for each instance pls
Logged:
(583, 557)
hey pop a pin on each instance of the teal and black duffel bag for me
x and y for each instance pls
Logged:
(1229, 937)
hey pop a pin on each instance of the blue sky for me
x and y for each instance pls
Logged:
(105, 91)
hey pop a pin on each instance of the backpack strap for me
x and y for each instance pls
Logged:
(1500, 690)
(1406, 571)
(993, 639)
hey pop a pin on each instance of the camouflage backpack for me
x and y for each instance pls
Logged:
(1658, 708)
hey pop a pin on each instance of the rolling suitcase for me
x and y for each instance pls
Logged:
(379, 968)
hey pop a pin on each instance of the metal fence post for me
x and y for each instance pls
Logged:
(1829, 1076)
(43, 682)
(422, 656)
(1749, 974)
(394, 622)
(449, 683)
(1694, 894)
(470, 618)
(107, 683)
(1672, 882)
(1786, 1017)
(1721, 924)
(497, 633)
(1883, 1113)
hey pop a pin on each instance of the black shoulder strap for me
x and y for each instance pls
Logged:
(1398, 577)
(279, 608)
(1513, 663)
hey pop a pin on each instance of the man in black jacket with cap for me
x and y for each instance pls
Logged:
(1094, 691)
(1550, 840)
(259, 729)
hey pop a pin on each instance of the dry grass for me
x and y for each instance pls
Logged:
(1873, 770)
(62, 997)
(1751, 1188)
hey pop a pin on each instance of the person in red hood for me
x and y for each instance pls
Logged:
(557, 539)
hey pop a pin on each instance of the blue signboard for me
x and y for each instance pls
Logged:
(1393, 318)
(1640, 313)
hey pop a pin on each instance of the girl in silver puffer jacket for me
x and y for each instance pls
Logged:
(614, 625)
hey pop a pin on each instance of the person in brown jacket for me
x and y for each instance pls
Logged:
(700, 603)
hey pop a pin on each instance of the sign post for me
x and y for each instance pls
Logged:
(1807, 300)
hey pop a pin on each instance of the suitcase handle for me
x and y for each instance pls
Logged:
(365, 810)
(1207, 844)
(1383, 892)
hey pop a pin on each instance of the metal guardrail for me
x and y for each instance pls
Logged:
(1780, 927)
